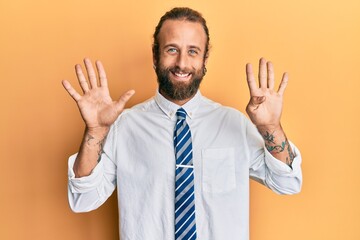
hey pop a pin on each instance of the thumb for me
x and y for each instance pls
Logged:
(120, 104)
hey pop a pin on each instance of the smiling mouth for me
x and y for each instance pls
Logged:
(181, 76)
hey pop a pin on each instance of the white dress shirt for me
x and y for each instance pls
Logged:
(139, 159)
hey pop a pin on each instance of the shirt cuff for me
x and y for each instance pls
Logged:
(280, 168)
(87, 183)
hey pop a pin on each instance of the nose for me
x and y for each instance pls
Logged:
(182, 60)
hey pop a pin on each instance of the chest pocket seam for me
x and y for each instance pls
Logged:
(218, 170)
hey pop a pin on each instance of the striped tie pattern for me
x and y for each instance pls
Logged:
(185, 227)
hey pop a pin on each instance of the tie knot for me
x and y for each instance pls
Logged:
(181, 113)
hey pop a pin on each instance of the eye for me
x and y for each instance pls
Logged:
(172, 50)
(193, 52)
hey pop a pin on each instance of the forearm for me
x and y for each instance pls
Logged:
(90, 151)
(277, 143)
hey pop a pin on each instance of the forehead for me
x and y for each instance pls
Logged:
(183, 33)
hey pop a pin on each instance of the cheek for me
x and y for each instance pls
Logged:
(166, 60)
(198, 64)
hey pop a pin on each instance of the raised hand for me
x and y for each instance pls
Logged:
(97, 108)
(99, 112)
(265, 105)
(265, 108)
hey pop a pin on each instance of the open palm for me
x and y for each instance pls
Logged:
(97, 108)
(265, 105)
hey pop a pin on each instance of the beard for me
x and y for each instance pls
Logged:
(178, 90)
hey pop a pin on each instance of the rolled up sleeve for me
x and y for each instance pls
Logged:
(87, 183)
(89, 192)
(269, 171)
(281, 178)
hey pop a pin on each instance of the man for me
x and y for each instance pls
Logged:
(181, 163)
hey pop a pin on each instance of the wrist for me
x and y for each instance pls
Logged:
(97, 132)
(269, 128)
(273, 136)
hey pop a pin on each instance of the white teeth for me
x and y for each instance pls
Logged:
(182, 74)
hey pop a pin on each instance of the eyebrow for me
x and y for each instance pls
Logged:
(196, 47)
(175, 45)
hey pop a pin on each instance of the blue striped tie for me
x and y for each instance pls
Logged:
(185, 227)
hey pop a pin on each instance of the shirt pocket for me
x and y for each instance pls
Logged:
(218, 170)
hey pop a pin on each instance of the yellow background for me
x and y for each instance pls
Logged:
(317, 42)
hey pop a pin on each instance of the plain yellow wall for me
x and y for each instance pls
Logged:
(317, 42)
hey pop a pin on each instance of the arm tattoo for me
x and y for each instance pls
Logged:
(276, 148)
(101, 146)
(269, 137)
(290, 158)
(89, 138)
(100, 143)
(272, 147)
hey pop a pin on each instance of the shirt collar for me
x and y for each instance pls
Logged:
(169, 108)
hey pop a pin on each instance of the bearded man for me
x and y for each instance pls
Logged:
(181, 162)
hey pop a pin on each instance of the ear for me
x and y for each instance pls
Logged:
(153, 56)
(206, 58)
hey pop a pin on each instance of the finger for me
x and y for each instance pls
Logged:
(81, 78)
(270, 76)
(283, 84)
(91, 73)
(102, 75)
(250, 79)
(124, 98)
(262, 73)
(75, 95)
